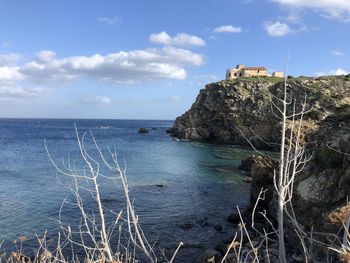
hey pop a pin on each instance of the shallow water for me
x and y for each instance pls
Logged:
(200, 182)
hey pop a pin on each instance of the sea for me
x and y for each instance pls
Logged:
(183, 191)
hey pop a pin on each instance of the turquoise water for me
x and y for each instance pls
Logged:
(200, 181)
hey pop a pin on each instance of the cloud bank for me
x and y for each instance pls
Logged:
(46, 69)
(120, 67)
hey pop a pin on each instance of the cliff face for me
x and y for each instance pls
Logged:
(237, 110)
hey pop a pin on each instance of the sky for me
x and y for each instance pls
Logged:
(137, 59)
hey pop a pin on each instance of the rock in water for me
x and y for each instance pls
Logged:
(143, 130)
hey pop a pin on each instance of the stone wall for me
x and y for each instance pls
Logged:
(254, 73)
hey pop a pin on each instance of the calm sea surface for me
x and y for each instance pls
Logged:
(200, 182)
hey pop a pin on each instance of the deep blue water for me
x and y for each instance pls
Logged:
(200, 181)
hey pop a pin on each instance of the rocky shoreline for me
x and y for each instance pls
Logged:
(234, 111)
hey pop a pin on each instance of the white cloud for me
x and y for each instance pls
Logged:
(98, 100)
(181, 56)
(181, 39)
(125, 67)
(111, 20)
(45, 56)
(337, 53)
(338, 71)
(121, 67)
(228, 29)
(9, 75)
(277, 29)
(9, 59)
(160, 38)
(338, 9)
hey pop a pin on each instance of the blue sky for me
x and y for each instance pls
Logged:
(137, 59)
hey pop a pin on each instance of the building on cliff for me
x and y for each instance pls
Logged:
(241, 71)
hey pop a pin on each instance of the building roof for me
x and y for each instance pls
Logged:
(255, 68)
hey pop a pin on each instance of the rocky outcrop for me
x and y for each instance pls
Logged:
(322, 190)
(240, 110)
(324, 187)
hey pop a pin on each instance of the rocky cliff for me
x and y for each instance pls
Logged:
(236, 110)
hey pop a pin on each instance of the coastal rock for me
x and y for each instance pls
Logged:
(240, 110)
(262, 170)
(324, 185)
(322, 188)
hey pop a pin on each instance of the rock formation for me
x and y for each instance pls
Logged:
(239, 110)
(323, 188)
